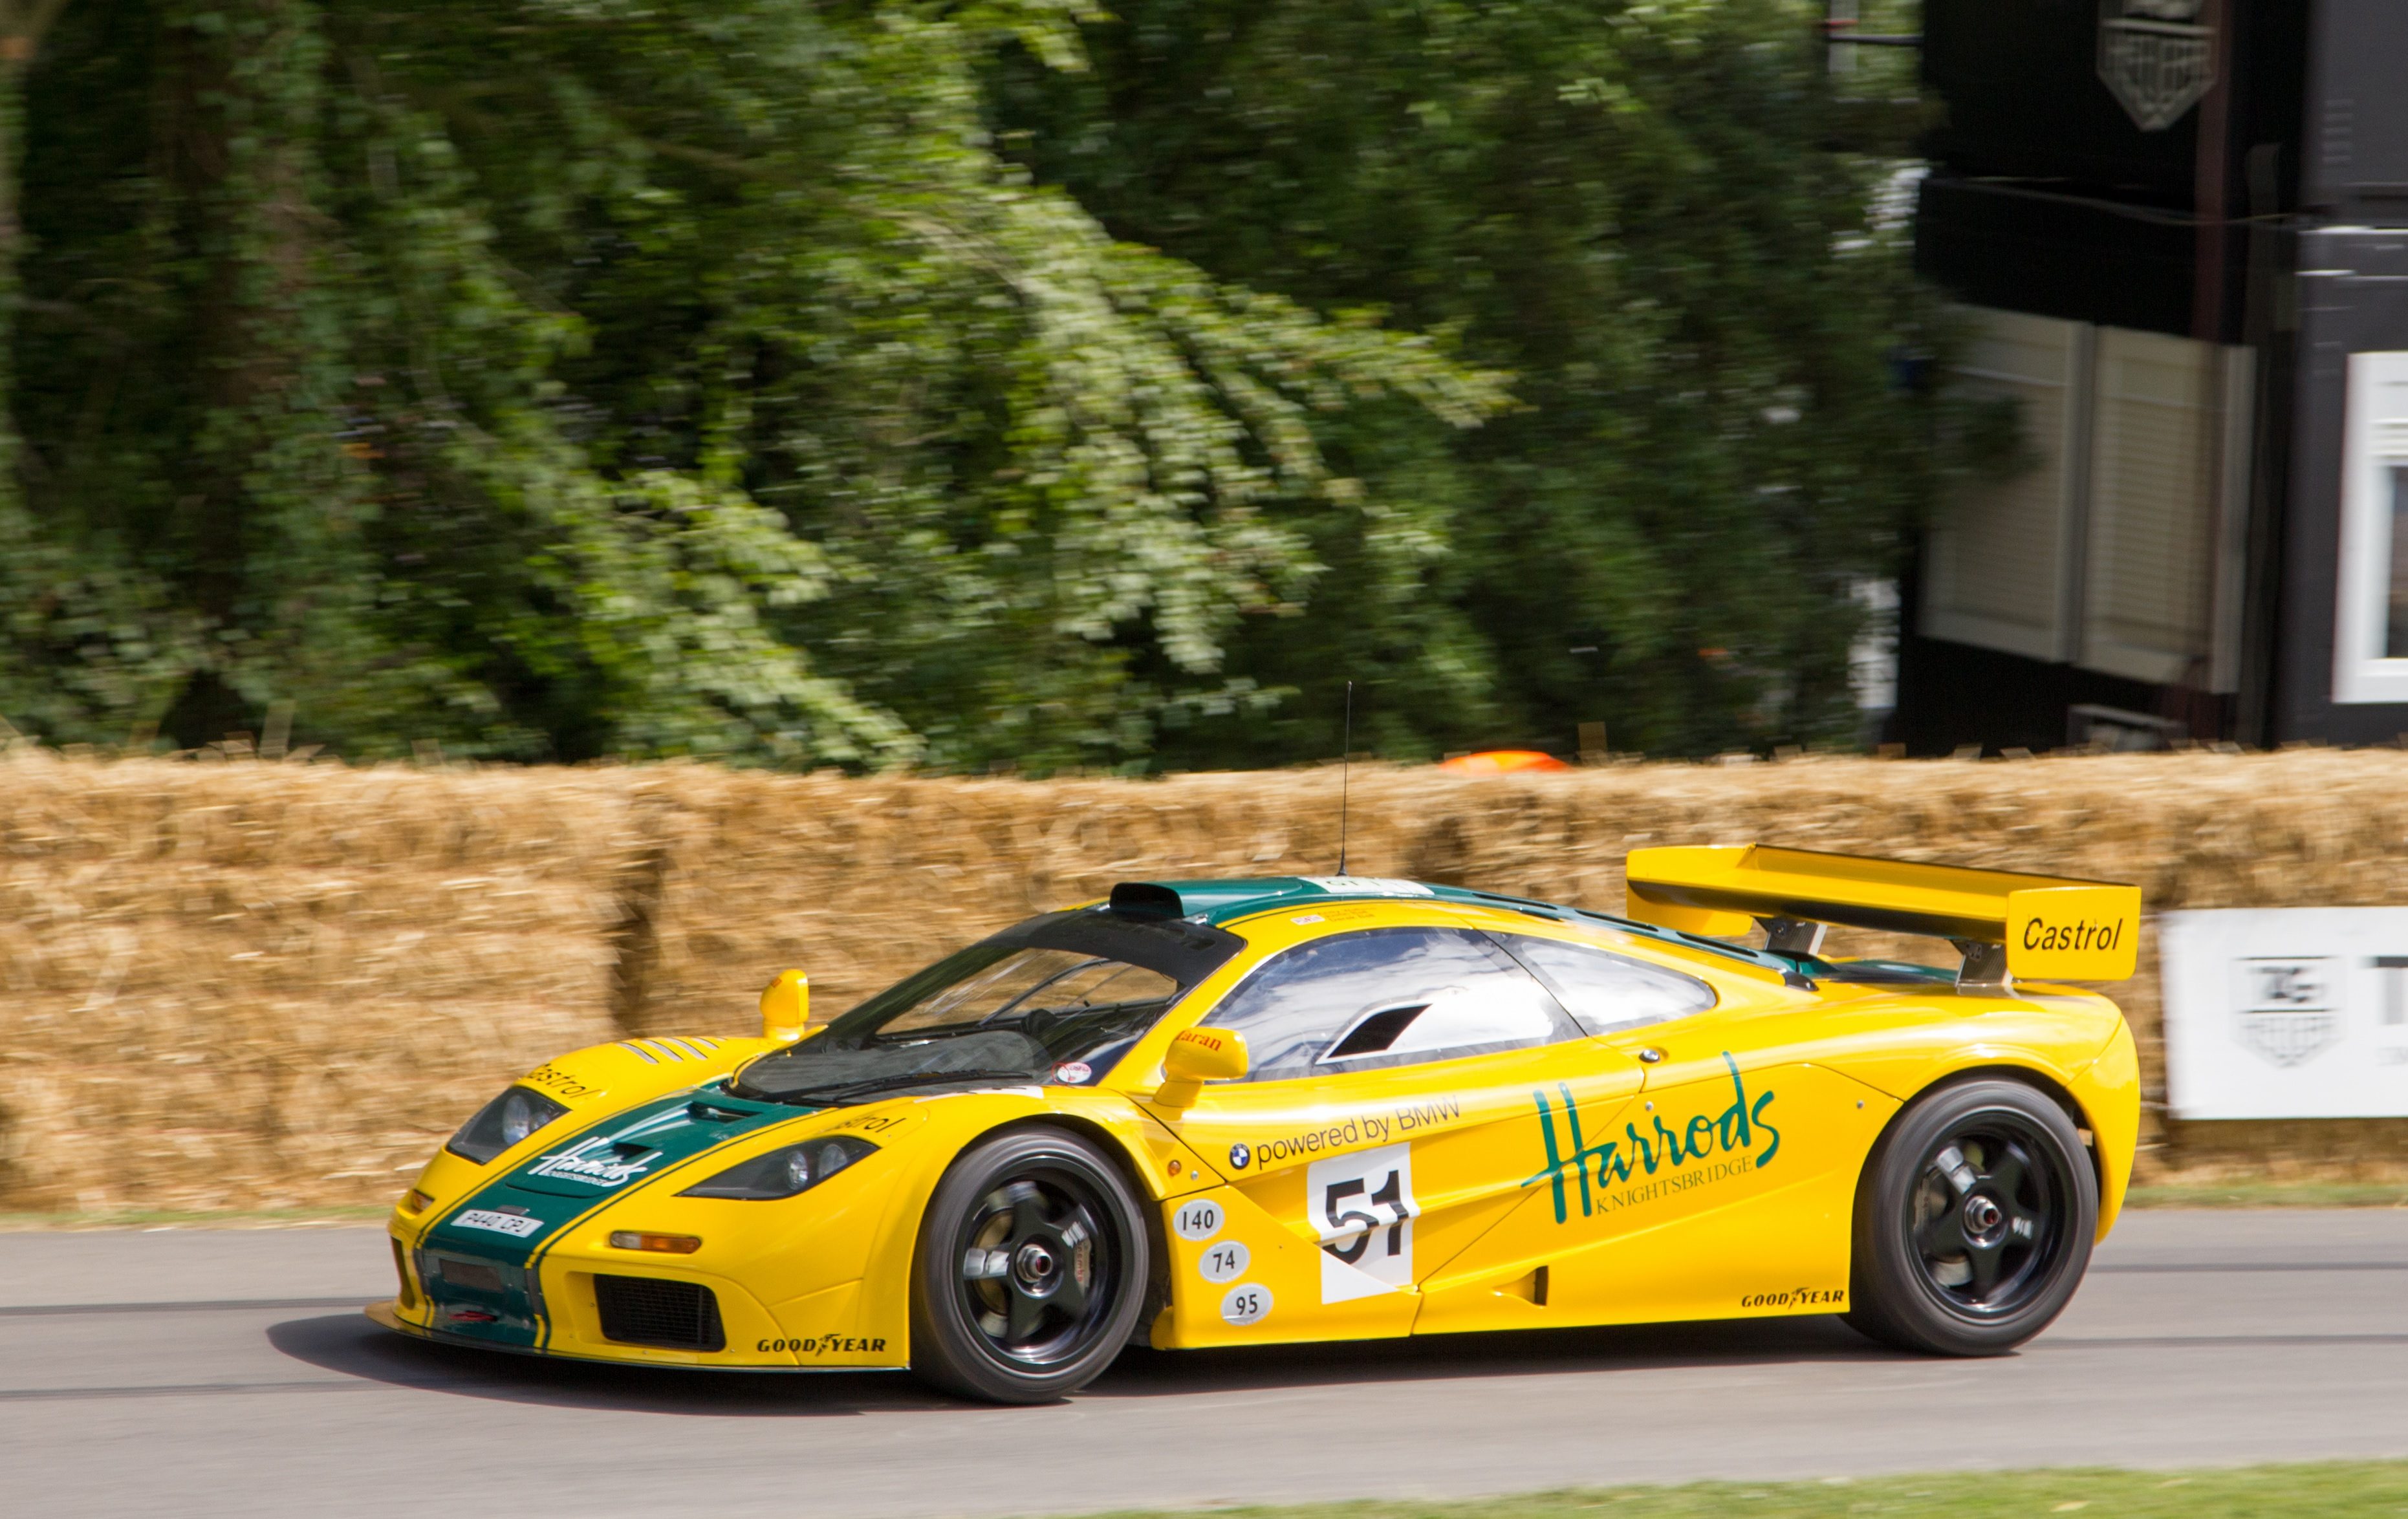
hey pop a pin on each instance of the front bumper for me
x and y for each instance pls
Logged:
(387, 1315)
(606, 1307)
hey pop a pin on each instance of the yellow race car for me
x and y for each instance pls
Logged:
(1239, 1112)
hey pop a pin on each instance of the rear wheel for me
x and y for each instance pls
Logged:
(1973, 1222)
(1030, 1271)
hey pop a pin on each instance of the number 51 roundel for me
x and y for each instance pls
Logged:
(1362, 1205)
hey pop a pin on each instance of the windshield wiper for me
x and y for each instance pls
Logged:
(846, 1091)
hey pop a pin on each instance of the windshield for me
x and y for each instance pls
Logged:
(1056, 999)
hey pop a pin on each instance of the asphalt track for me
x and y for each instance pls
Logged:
(208, 1373)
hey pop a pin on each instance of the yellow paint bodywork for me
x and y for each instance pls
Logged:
(1714, 1173)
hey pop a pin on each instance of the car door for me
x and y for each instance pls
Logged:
(1771, 1231)
(1380, 1128)
(1726, 1189)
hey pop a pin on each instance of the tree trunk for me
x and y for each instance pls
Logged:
(21, 561)
(242, 93)
(22, 23)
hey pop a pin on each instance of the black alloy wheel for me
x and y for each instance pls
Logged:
(1984, 1217)
(1974, 1221)
(1030, 1271)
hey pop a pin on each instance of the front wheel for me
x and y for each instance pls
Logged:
(1030, 1271)
(1974, 1222)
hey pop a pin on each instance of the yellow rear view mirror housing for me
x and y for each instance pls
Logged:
(1197, 1055)
(786, 1007)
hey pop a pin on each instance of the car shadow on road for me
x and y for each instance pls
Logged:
(351, 1345)
(1150, 1373)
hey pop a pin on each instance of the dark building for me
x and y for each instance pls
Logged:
(2180, 230)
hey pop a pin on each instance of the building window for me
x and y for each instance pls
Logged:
(2001, 552)
(2371, 624)
(2395, 639)
(2120, 549)
(2168, 509)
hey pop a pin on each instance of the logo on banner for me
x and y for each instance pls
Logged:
(2286, 1007)
(2156, 58)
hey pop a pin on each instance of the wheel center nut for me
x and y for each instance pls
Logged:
(1982, 1216)
(1035, 1265)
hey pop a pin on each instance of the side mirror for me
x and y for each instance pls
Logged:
(1197, 1055)
(786, 1007)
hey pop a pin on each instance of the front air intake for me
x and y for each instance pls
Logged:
(648, 1310)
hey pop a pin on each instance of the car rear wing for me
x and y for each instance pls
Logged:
(2006, 924)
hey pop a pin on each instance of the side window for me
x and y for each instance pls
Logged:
(1387, 997)
(1606, 992)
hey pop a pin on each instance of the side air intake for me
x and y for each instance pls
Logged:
(647, 1311)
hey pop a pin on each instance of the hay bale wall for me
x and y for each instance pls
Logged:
(254, 985)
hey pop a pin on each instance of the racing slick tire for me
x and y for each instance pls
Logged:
(1031, 1270)
(1974, 1222)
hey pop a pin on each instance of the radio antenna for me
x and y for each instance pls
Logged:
(1345, 777)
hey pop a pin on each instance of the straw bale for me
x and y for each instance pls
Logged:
(248, 984)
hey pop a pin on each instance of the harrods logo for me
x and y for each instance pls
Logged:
(1740, 1135)
(2155, 57)
(600, 1161)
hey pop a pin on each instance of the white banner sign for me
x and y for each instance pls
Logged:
(2287, 1012)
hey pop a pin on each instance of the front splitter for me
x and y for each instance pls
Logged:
(384, 1314)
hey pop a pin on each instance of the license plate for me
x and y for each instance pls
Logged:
(517, 1225)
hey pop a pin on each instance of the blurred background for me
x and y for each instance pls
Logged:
(995, 384)
(1016, 386)
(559, 417)
(902, 390)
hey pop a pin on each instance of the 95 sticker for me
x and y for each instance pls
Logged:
(1246, 1303)
(517, 1225)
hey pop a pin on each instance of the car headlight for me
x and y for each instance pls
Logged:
(783, 1173)
(502, 1123)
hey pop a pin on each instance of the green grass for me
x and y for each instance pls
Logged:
(157, 1218)
(2309, 1492)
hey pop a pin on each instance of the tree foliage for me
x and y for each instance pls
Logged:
(949, 383)
(1635, 208)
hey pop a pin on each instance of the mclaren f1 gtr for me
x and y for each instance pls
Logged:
(1239, 1112)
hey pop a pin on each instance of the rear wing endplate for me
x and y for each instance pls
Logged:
(2007, 924)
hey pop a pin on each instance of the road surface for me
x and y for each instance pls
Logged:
(195, 1374)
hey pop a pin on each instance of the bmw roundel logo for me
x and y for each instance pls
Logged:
(1239, 1156)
